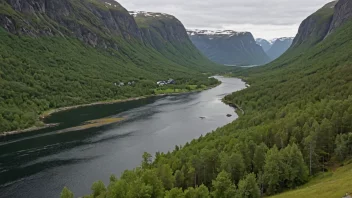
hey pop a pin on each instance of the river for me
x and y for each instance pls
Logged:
(39, 164)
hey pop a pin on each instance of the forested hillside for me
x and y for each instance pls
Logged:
(62, 53)
(296, 124)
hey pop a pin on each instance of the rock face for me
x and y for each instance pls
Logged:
(322, 23)
(342, 13)
(315, 27)
(93, 22)
(229, 47)
(167, 35)
(165, 27)
(279, 47)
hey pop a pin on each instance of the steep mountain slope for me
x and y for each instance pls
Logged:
(296, 122)
(61, 53)
(168, 36)
(228, 47)
(342, 14)
(279, 47)
(265, 44)
(315, 27)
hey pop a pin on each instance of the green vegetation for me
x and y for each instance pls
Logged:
(297, 124)
(52, 72)
(50, 65)
(180, 88)
(325, 185)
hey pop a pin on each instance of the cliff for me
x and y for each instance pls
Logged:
(315, 27)
(229, 47)
(342, 13)
(93, 22)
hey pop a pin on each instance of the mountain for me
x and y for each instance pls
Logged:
(342, 14)
(294, 124)
(265, 44)
(167, 35)
(68, 52)
(276, 47)
(315, 27)
(228, 47)
(279, 46)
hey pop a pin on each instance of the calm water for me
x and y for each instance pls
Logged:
(39, 164)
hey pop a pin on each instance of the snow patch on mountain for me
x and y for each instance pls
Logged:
(149, 14)
(214, 32)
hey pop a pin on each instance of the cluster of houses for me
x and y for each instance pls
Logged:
(121, 84)
(159, 83)
(167, 82)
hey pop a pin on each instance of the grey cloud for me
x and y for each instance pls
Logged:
(219, 14)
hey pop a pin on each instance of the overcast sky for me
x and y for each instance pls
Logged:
(264, 18)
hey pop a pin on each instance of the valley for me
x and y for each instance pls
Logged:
(65, 154)
(66, 64)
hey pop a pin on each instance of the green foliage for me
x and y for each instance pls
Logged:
(58, 72)
(343, 146)
(273, 170)
(165, 174)
(223, 186)
(199, 192)
(248, 187)
(234, 165)
(98, 189)
(66, 193)
(118, 189)
(259, 158)
(175, 193)
(147, 160)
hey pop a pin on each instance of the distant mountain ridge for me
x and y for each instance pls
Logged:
(265, 44)
(228, 47)
(279, 46)
(275, 47)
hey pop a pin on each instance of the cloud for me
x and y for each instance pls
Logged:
(264, 18)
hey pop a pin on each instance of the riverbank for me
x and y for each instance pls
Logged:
(34, 128)
(237, 108)
(52, 111)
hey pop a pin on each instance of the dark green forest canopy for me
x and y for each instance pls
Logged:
(297, 123)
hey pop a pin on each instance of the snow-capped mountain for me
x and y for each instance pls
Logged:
(265, 44)
(214, 32)
(228, 47)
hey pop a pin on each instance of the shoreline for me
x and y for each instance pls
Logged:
(61, 109)
(34, 128)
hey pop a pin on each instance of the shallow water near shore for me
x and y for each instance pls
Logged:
(40, 163)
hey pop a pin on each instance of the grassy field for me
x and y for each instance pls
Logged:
(326, 185)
